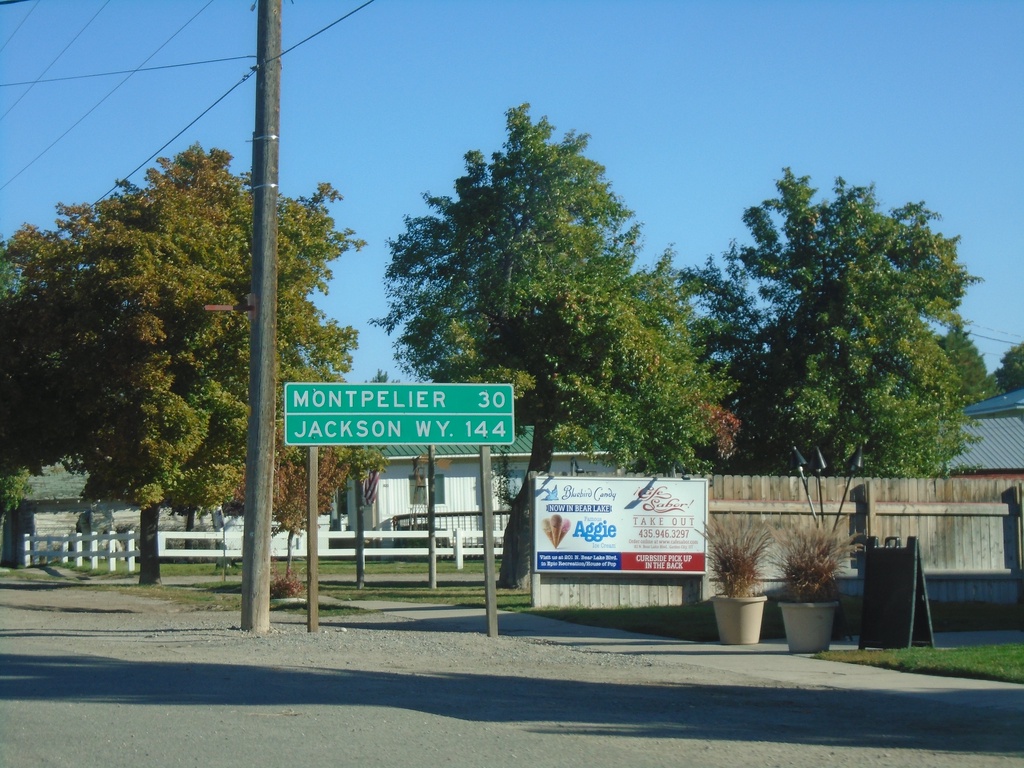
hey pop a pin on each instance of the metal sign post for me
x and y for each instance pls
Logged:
(487, 506)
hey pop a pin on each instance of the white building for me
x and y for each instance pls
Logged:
(402, 490)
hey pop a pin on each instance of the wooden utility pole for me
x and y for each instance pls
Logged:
(313, 540)
(259, 457)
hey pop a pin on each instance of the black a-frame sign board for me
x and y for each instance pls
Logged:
(896, 612)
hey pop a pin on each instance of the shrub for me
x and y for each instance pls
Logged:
(285, 584)
(737, 549)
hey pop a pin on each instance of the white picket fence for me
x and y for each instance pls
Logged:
(192, 545)
(111, 547)
(456, 544)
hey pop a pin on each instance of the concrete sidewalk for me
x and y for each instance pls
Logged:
(769, 660)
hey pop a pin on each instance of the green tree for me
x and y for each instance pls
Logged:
(7, 273)
(825, 325)
(527, 276)
(13, 488)
(1010, 373)
(117, 369)
(976, 382)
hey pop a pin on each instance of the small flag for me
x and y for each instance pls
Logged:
(370, 485)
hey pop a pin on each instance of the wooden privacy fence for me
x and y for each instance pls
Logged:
(969, 530)
(79, 546)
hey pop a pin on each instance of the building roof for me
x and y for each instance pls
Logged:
(1000, 446)
(1007, 404)
(521, 446)
(55, 483)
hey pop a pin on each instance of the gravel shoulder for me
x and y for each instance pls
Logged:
(123, 678)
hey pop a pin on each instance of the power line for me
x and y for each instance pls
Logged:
(994, 330)
(197, 118)
(20, 24)
(107, 96)
(246, 77)
(321, 31)
(129, 71)
(55, 59)
(165, 66)
(991, 338)
(202, 114)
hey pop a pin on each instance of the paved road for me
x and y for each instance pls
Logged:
(130, 682)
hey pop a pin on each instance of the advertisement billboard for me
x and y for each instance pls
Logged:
(619, 524)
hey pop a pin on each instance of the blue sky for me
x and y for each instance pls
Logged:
(694, 109)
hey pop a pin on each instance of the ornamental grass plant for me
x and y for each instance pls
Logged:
(737, 550)
(810, 560)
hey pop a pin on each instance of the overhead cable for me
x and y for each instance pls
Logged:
(56, 58)
(20, 23)
(246, 77)
(199, 117)
(129, 71)
(321, 31)
(107, 96)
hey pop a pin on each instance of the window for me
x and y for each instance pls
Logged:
(418, 487)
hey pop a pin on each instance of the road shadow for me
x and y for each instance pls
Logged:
(658, 711)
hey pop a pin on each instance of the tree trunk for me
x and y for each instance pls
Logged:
(149, 549)
(7, 556)
(517, 550)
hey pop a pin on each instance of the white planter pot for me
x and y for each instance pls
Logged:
(739, 619)
(808, 625)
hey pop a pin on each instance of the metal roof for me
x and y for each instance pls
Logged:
(1000, 447)
(55, 482)
(521, 446)
(1007, 404)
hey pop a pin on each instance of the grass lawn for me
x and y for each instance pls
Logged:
(1004, 663)
(688, 622)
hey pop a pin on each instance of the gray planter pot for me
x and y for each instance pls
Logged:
(808, 625)
(739, 619)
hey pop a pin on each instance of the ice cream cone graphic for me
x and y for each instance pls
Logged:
(555, 528)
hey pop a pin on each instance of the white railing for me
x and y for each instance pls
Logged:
(457, 544)
(79, 546)
(471, 544)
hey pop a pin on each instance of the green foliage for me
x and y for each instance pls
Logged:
(976, 383)
(8, 276)
(115, 366)
(13, 488)
(1010, 374)
(825, 325)
(527, 276)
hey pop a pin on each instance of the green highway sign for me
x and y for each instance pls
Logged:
(398, 414)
